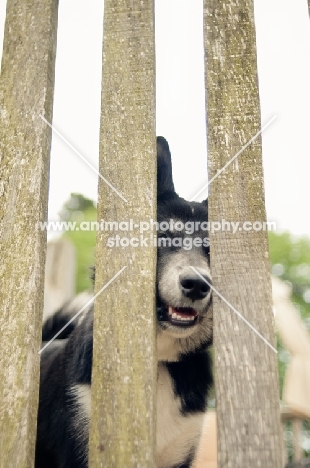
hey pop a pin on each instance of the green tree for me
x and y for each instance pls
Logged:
(76, 204)
(81, 210)
(290, 261)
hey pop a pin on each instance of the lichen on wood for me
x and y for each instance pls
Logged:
(124, 364)
(26, 90)
(246, 379)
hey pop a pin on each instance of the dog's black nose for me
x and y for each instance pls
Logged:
(194, 286)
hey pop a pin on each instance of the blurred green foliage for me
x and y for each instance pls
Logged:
(290, 262)
(80, 209)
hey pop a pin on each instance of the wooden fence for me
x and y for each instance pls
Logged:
(123, 434)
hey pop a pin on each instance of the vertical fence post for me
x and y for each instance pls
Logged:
(249, 431)
(124, 364)
(26, 90)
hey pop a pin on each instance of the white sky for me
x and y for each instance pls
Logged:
(283, 42)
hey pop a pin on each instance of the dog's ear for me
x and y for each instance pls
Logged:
(164, 167)
(205, 203)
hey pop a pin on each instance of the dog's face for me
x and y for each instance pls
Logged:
(183, 273)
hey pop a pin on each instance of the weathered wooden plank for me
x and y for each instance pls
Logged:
(26, 90)
(249, 432)
(124, 365)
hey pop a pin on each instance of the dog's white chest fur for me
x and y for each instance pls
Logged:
(176, 433)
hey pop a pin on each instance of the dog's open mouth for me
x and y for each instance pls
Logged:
(179, 316)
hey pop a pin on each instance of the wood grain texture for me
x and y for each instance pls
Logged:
(249, 432)
(26, 90)
(124, 366)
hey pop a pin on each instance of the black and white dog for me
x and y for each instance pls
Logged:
(184, 333)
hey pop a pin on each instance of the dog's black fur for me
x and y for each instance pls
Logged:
(184, 368)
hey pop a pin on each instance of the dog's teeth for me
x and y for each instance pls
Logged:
(180, 318)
